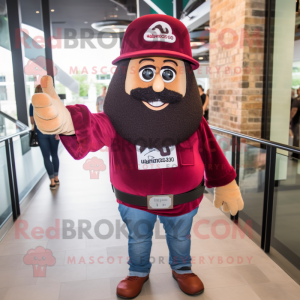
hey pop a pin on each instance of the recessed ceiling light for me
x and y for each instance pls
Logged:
(52, 10)
(195, 44)
(111, 26)
(200, 58)
(37, 12)
(85, 22)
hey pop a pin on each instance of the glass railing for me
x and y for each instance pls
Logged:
(21, 167)
(225, 144)
(29, 165)
(285, 236)
(9, 127)
(5, 198)
(252, 182)
(269, 178)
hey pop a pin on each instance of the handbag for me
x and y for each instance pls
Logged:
(33, 141)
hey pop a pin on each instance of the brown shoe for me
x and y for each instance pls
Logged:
(189, 283)
(131, 286)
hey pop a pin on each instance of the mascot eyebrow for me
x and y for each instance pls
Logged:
(145, 59)
(166, 60)
(172, 61)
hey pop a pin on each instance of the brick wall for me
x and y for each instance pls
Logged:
(236, 66)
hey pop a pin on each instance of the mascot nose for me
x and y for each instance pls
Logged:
(158, 84)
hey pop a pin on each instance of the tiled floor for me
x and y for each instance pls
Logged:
(89, 267)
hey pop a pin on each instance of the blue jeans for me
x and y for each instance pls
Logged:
(140, 226)
(49, 147)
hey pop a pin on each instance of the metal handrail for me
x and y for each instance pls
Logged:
(258, 140)
(23, 127)
(269, 179)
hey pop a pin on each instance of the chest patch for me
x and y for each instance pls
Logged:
(152, 158)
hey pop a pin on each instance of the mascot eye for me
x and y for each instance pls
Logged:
(147, 74)
(168, 74)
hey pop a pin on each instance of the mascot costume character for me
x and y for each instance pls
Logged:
(152, 123)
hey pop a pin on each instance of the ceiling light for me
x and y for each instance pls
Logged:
(37, 12)
(111, 26)
(85, 22)
(52, 10)
(200, 58)
(197, 44)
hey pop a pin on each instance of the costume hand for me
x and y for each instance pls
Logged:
(50, 114)
(230, 197)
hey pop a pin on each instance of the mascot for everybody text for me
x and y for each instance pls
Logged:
(152, 123)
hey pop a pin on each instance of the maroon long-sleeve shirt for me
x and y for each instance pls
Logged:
(198, 156)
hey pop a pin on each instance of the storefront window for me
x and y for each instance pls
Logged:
(284, 67)
(7, 86)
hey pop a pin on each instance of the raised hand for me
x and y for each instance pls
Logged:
(50, 114)
(230, 197)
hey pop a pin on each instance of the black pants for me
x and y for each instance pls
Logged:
(296, 142)
(206, 114)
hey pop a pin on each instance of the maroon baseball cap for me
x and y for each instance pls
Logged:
(157, 35)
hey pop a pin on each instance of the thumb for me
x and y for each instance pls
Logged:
(48, 88)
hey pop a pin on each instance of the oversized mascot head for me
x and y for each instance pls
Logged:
(153, 99)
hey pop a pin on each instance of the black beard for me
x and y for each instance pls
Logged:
(142, 126)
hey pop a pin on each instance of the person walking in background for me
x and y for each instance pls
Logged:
(49, 147)
(295, 122)
(291, 134)
(206, 112)
(205, 100)
(100, 100)
(293, 95)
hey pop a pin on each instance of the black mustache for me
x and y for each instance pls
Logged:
(148, 95)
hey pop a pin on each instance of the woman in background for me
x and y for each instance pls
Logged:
(206, 110)
(205, 101)
(49, 147)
